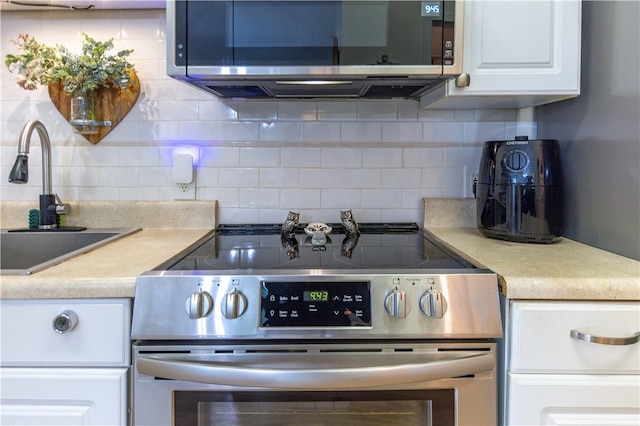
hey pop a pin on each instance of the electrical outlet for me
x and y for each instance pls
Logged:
(474, 184)
(469, 179)
(184, 191)
(183, 176)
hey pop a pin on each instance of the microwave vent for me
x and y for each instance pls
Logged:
(238, 91)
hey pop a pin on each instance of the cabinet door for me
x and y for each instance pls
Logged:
(63, 396)
(555, 399)
(523, 46)
(517, 54)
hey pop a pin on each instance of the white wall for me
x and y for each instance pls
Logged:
(258, 158)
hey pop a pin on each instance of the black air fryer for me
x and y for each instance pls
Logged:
(519, 191)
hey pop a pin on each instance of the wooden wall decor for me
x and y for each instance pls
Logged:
(111, 104)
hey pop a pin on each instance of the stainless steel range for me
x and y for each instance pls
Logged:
(373, 325)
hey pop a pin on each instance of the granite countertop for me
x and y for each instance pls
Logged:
(566, 270)
(109, 271)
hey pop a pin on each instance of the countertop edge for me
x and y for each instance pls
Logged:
(574, 271)
(107, 272)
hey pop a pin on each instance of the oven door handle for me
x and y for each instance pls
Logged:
(314, 378)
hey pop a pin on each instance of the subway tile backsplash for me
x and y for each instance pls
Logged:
(259, 159)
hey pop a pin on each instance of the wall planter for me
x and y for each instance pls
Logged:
(110, 106)
(93, 89)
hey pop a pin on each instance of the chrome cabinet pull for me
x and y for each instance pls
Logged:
(575, 334)
(65, 322)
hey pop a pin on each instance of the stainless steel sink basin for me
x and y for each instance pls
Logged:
(26, 252)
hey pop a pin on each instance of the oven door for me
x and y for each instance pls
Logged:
(316, 384)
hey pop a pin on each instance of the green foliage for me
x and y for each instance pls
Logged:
(79, 73)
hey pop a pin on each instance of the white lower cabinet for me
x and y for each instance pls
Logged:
(553, 378)
(64, 396)
(77, 375)
(559, 399)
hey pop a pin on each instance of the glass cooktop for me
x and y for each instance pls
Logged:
(398, 246)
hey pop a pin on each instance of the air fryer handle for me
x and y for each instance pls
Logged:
(514, 208)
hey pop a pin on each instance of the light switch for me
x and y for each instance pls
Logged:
(182, 168)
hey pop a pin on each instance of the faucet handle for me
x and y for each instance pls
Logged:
(61, 208)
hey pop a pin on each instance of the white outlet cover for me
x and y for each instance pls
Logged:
(182, 168)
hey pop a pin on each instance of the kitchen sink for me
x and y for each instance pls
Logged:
(26, 252)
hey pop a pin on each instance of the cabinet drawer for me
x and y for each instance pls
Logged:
(541, 340)
(100, 338)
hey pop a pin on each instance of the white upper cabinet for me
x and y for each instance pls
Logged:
(80, 4)
(517, 54)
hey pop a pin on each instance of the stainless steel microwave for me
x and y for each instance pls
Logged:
(314, 48)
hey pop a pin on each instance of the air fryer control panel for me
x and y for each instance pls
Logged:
(516, 160)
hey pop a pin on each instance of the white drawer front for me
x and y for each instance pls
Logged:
(541, 341)
(101, 337)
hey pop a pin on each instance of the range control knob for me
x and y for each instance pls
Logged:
(432, 304)
(234, 304)
(65, 322)
(396, 303)
(198, 305)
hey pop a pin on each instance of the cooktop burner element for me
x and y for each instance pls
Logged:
(262, 247)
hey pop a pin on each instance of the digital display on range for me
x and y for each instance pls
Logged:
(316, 304)
(315, 296)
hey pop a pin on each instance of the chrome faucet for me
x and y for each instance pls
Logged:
(50, 204)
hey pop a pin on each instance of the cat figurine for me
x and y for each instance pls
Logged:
(349, 223)
(290, 223)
